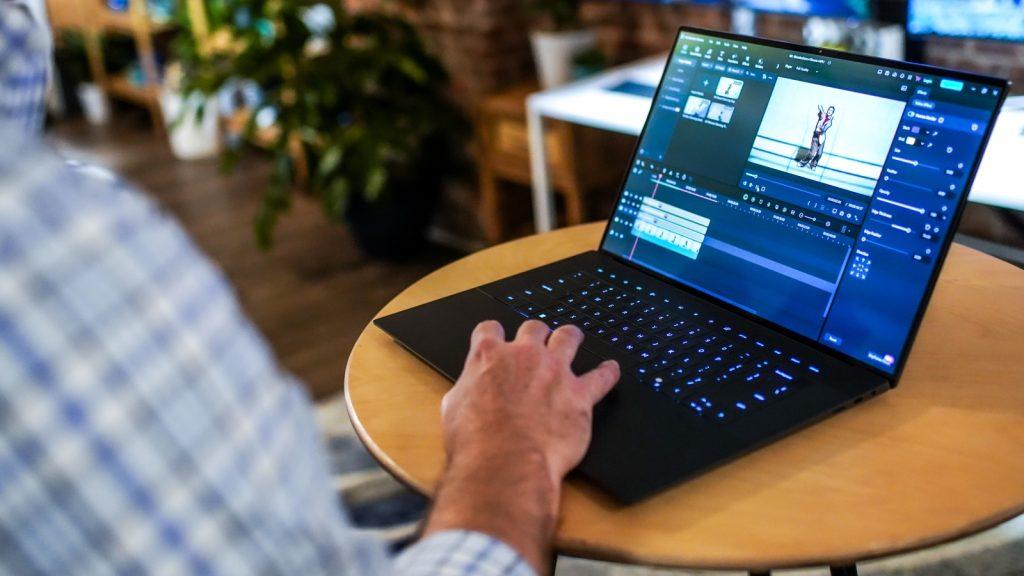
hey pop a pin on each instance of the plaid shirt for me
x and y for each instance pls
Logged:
(24, 61)
(144, 424)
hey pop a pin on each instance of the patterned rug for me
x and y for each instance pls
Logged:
(382, 506)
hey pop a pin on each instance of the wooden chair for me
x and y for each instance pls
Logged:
(580, 159)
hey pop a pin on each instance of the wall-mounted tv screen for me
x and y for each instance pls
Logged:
(826, 8)
(992, 19)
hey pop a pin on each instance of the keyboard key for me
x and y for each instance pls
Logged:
(662, 363)
(781, 389)
(784, 375)
(723, 415)
(671, 351)
(670, 334)
(643, 370)
(701, 405)
(527, 310)
(760, 398)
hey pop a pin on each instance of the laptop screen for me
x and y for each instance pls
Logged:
(814, 191)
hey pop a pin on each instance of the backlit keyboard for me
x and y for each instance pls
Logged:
(700, 361)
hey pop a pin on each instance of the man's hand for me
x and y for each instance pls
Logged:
(522, 397)
(516, 422)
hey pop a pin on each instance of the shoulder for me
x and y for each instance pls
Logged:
(36, 184)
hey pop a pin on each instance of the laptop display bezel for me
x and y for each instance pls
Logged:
(1001, 84)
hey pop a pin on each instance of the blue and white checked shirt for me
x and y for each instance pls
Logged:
(24, 60)
(145, 427)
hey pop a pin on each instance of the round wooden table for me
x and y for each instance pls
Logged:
(939, 457)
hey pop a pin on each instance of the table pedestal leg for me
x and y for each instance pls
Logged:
(850, 570)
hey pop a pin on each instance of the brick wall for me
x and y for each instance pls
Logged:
(485, 44)
(630, 30)
(1003, 59)
(482, 43)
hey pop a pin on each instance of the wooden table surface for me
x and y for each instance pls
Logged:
(939, 457)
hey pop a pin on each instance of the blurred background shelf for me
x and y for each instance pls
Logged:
(97, 23)
(127, 23)
(124, 89)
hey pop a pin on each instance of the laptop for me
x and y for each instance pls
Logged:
(770, 256)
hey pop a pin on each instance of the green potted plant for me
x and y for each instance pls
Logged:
(354, 109)
(557, 39)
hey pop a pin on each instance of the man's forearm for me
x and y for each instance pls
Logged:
(508, 494)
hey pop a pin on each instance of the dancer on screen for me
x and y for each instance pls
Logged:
(818, 139)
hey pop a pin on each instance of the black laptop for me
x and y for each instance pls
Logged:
(776, 240)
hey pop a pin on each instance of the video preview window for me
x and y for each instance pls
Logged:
(832, 136)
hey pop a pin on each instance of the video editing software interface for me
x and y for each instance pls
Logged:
(810, 191)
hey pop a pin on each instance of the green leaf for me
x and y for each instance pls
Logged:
(375, 182)
(336, 198)
(413, 70)
(329, 161)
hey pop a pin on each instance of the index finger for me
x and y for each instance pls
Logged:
(486, 330)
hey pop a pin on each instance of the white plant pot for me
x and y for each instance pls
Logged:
(94, 103)
(553, 53)
(192, 136)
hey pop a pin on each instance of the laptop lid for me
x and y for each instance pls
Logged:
(815, 190)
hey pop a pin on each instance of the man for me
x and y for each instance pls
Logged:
(145, 427)
(821, 127)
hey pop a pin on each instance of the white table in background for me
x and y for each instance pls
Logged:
(1000, 181)
(588, 102)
